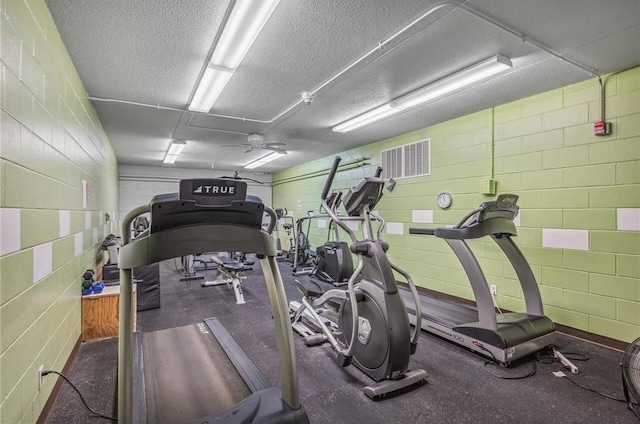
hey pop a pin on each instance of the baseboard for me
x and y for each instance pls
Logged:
(570, 331)
(593, 338)
(58, 385)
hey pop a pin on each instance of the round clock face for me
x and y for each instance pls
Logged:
(444, 200)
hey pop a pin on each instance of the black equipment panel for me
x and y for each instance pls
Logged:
(503, 207)
(367, 192)
(206, 201)
(213, 191)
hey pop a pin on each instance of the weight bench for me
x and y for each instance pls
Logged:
(229, 274)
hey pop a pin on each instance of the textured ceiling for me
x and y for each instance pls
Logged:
(153, 51)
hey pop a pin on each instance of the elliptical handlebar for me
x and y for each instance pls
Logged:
(329, 182)
(328, 208)
(378, 172)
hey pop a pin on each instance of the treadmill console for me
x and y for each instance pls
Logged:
(213, 192)
(503, 207)
(206, 201)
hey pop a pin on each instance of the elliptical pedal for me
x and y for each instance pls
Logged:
(315, 339)
(410, 379)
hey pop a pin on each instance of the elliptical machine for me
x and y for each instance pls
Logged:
(373, 330)
(303, 256)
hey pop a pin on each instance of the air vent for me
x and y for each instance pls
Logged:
(410, 160)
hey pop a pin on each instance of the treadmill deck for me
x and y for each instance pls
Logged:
(188, 375)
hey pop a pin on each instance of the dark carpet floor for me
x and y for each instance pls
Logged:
(459, 390)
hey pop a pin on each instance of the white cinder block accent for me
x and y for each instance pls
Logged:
(85, 194)
(95, 235)
(395, 228)
(565, 239)
(42, 261)
(422, 216)
(516, 219)
(87, 220)
(322, 223)
(79, 244)
(628, 219)
(65, 223)
(9, 231)
(353, 225)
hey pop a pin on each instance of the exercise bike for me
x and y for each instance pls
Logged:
(373, 331)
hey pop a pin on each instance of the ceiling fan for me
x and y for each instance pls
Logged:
(256, 141)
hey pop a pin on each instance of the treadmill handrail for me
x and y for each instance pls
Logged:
(489, 227)
(481, 229)
(186, 240)
(422, 231)
(151, 248)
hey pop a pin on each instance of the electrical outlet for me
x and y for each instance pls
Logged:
(494, 289)
(40, 376)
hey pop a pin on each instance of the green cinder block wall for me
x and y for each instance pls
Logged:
(542, 149)
(52, 144)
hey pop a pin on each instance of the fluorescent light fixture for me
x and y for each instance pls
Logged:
(176, 147)
(265, 159)
(245, 22)
(374, 115)
(211, 85)
(455, 82)
(242, 28)
(170, 158)
(476, 73)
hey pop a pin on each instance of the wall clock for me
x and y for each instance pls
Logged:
(444, 200)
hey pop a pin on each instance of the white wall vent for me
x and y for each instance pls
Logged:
(409, 160)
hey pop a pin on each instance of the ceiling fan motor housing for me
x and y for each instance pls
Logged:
(255, 139)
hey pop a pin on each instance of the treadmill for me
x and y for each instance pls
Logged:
(505, 337)
(199, 370)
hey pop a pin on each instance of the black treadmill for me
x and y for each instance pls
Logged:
(197, 373)
(502, 337)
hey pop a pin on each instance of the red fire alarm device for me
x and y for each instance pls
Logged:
(601, 128)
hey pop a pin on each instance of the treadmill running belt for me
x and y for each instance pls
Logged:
(445, 312)
(188, 376)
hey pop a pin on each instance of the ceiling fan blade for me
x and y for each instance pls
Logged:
(249, 150)
(275, 143)
(236, 145)
(250, 179)
(236, 177)
(275, 149)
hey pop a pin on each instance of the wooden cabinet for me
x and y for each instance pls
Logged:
(100, 314)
